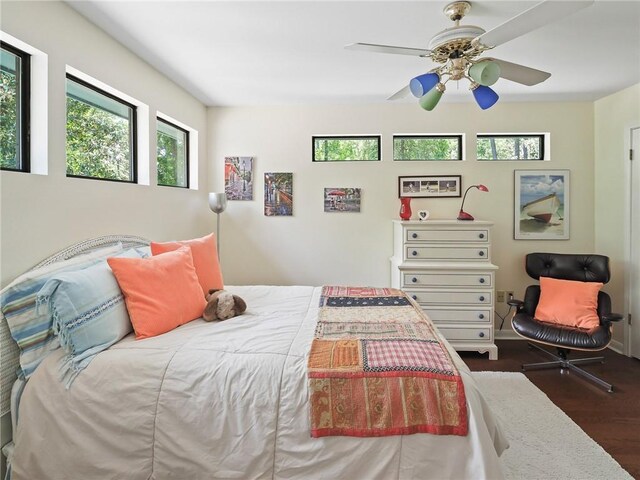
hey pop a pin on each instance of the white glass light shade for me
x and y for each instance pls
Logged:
(218, 202)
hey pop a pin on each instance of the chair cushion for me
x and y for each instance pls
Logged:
(561, 335)
(568, 302)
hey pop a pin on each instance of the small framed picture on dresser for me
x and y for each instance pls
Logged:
(430, 186)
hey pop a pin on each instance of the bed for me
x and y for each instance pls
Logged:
(223, 400)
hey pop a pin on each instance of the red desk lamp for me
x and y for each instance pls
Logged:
(464, 215)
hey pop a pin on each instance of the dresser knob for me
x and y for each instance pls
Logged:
(481, 235)
(481, 253)
(481, 334)
(482, 298)
(415, 297)
(481, 316)
(414, 253)
(482, 280)
(414, 280)
(414, 235)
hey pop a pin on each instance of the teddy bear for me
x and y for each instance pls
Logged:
(222, 305)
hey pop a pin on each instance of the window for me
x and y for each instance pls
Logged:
(427, 147)
(15, 94)
(347, 148)
(173, 155)
(101, 134)
(510, 147)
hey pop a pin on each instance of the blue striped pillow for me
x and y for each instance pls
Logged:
(33, 330)
(88, 313)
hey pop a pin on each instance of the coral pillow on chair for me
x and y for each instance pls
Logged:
(205, 259)
(568, 302)
(161, 293)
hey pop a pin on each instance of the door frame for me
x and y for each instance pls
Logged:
(628, 139)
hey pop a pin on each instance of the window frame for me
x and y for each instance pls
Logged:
(540, 136)
(187, 157)
(134, 130)
(345, 137)
(459, 137)
(25, 108)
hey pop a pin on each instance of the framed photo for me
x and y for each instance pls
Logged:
(432, 186)
(238, 178)
(278, 194)
(541, 210)
(342, 200)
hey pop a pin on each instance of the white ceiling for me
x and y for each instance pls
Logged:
(291, 52)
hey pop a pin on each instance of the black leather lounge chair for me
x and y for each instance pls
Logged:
(584, 268)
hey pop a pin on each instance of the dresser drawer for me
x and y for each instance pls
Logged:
(452, 297)
(440, 315)
(445, 252)
(475, 334)
(446, 236)
(422, 279)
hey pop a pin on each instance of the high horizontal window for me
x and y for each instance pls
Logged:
(173, 154)
(15, 95)
(427, 147)
(346, 148)
(510, 147)
(101, 134)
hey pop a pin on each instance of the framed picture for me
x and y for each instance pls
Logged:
(342, 200)
(432, 186)
(541, 210)
(238, 178)
(278, 194)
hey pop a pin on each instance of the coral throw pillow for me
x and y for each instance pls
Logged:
(568, 302)
(161, 293)
(205, 259)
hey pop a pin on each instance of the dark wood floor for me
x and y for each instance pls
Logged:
(611, 419)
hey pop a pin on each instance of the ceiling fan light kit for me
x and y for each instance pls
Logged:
(458, 50)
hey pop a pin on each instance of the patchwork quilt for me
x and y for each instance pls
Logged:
(376, 368)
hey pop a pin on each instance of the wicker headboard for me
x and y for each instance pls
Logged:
(9, 349)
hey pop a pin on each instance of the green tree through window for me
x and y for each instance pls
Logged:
(172, 155)
(14, 106)
(427, 147)
(100, 134)
(347, 148)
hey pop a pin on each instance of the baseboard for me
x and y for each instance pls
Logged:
(506, 335)
(617, 347)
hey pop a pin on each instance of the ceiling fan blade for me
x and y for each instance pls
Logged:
(520, 74)
(537, 16)
(403, 92)
(372, 47)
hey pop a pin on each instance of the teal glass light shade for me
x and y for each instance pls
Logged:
(485, 96)
(432, 97)
(485, 73)
(421, 84)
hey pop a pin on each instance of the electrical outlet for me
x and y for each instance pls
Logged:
(503, 296)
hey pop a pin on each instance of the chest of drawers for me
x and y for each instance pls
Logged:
(445, 266)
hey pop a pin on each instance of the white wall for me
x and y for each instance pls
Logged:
(614, 116)
(42, 214)
(315, 248)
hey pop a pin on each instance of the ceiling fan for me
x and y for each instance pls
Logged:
(458, 50)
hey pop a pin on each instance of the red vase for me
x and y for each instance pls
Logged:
(405, 208)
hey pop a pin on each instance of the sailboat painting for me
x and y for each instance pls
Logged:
(541, 210)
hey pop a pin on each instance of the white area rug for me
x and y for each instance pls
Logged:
(544, 442)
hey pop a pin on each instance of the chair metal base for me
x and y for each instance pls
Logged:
(561, 361)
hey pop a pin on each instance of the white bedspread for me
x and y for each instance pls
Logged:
(223, 400)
